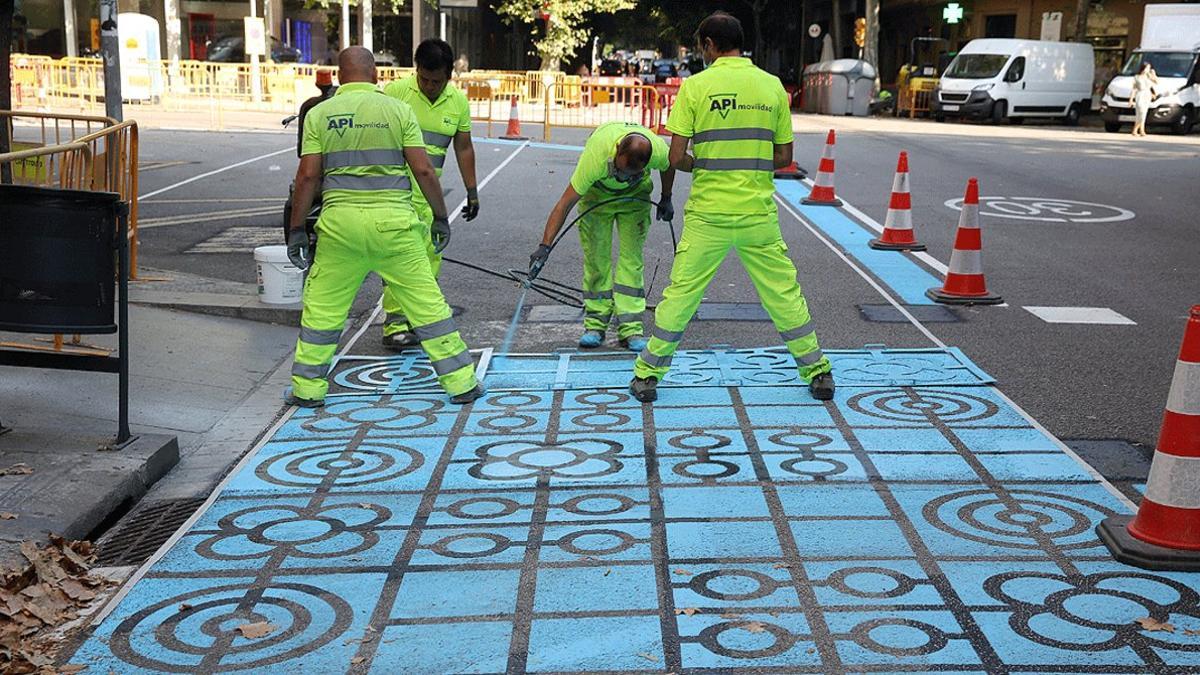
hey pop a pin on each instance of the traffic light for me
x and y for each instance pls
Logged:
(860, 31)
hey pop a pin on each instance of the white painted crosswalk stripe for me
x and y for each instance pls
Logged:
(1081, 315)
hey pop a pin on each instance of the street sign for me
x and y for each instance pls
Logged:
(256, 36)
(1052, 26)
(814, 31)
(458, 3)
(953, 13)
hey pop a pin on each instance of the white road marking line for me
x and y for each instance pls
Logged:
(866, 277)
(482, 184)
(933, 263)
(193, 179)
(188, 218)
(218, 200)
(1102, 316)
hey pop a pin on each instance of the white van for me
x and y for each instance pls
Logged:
(1014, 79)
(1171, 45)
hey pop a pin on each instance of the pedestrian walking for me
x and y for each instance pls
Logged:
(444, 116)
(737, 120)
(612, 185)
(1145, 87)
(364, 149)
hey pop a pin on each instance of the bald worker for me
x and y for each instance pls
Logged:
(612, 186)
(360, 147)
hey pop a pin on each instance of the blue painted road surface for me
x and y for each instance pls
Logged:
(918, 522)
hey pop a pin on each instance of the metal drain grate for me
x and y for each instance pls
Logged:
(137, 536)
(922, 313)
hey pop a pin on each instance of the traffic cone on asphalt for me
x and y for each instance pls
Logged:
(792, 171)
(897, 227)
(822, 191)
(964, 283)
(513, 132)
(1165, 534)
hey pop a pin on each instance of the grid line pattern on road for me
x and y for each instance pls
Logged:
(725, 528)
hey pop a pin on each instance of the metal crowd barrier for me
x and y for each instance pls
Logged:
(915, 100)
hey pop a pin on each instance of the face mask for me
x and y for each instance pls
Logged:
(628, 180)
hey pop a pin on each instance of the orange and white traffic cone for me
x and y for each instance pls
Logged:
(822, 191)
(898, 232)
(513, 132)
(792, 171)
(964, 283)
(1165, 534)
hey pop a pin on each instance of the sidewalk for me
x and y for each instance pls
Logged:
(920, 521)
(190, 375)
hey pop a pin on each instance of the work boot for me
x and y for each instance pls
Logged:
(644, 389)
(634, 343)
(468, 396)
(292, 399)
(398, 342)
(821, 387)
(591, 339)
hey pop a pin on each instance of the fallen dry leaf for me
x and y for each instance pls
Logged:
(648, 656)
(1153, 625)
(183, 607)
(782, 566)
(686, 610)
(256, 630)
(7, 515)
(683, 573)
(364, 505)
(358, 659)
(732, 615)
(754, 626)
(18, 469)
(1189, 631)
(810, 650)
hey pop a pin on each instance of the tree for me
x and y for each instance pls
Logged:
(564, 31)
(757, 7)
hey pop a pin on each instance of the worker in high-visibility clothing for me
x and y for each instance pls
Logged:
(445, 117)
(612, 186)
(737, 119)
(364, 149)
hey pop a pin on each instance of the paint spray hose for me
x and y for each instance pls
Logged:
(554, 290)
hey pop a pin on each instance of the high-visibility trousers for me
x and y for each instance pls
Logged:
(356, 240)
(760, 247)
(395, 320)
(621, 289)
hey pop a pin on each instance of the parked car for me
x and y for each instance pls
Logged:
(665, 68)
(611, 68)
(1017, 79)
(232, 49)
(1171, 45)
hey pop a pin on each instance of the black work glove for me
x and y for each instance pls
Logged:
(471, 210)
(666, 210)
(439, 232)
(297, 248)
(538, 260)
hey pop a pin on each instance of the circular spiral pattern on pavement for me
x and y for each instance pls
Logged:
(205, 635)
(394, 374)
(946, 406)
(1023, 519)
(370, 462)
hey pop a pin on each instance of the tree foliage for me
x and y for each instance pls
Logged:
(565, 31)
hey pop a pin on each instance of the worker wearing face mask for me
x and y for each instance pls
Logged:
(615, 164)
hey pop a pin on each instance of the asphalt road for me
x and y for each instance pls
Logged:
(1081, 381)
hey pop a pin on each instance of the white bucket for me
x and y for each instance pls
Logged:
(279, 281)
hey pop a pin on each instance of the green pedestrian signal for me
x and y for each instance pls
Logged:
(953, 13)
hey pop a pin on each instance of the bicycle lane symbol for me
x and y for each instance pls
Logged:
(1046, 210)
